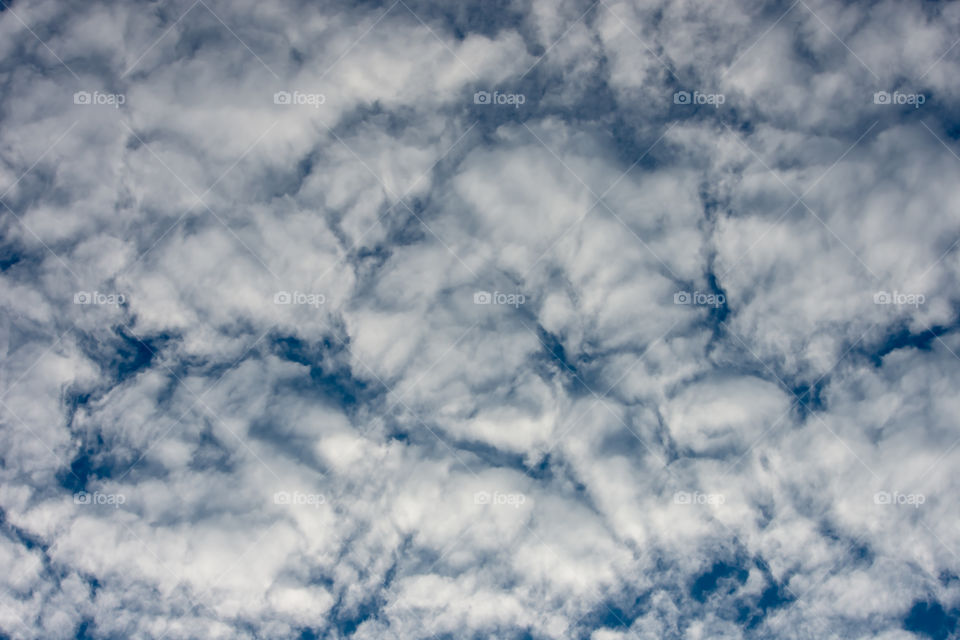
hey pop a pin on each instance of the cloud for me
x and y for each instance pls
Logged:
(512, 319)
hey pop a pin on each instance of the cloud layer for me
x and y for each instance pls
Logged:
(499, 319)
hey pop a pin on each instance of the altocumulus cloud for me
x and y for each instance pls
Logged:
(514, 319)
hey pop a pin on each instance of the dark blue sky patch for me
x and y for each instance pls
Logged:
(627, 440)
(764, 514)
(297, 447)
(947, 578)
(617, 618)
(286, 180)
(201, 31)
(634, 145)
(461, 19)
(211, 454)
(858, 552)
(122, 354)
(930, 620)
(593, 107)
(73, 400)
(501, 633)
(334, 381)
(809, 398)
(553, 349)
(371, 258)
(489, 454)
(774, 596)
(553, 362)
(8, 258)
(752, 610)
(23, 260)
(804, 395)
(542, 470)
(17, 534)
(902, 338)
(346, 622)
(952, 130)
(405, 227)
(722, 577)
(722, 583)
(90, 463)
(617, 613)
(718, 312)
(87, 630)
(347, 619)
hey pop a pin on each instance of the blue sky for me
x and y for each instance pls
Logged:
(514, 319)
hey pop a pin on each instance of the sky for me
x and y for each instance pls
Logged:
(524, 319)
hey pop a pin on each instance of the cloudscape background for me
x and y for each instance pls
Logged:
(486, 319)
